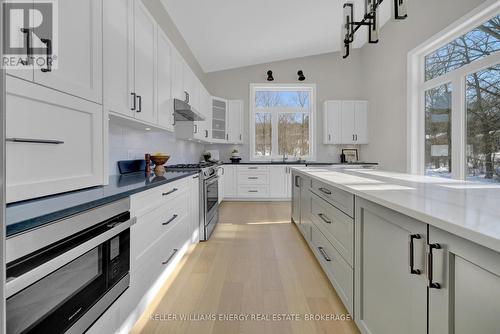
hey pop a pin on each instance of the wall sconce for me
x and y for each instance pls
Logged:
(270, 76)
(300, 73)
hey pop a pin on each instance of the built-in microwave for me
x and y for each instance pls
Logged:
(66, 285)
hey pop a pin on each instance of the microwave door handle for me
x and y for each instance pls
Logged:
(17, 284)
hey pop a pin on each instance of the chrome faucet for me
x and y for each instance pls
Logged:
(285, 158)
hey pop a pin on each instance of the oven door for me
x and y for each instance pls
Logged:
(211, 198)
(65, 290)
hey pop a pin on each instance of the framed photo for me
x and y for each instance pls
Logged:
(351, 155)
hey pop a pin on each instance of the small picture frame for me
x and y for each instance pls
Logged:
(351, 155)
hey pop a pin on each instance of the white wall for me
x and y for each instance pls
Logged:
(130, 143)
(384, 75)
(334, 77)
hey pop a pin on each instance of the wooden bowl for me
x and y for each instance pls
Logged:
(159, 161)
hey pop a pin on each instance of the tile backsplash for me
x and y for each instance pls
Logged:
(126, 143)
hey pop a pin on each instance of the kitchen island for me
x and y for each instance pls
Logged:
(415, 249)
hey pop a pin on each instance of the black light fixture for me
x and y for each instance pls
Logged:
(300, 73)
(371, 20)
(270, 76)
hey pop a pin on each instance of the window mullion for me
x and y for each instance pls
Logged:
(458, 128)
(274, 137)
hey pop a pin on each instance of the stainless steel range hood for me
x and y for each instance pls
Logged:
(183, 111)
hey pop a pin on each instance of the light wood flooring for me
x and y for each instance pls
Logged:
(255, 263)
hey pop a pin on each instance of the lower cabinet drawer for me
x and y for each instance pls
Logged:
(257, 191)
(252, 178)
(337, 197)
(164, 223)
(335, 225)
(337, 269)
(148, 200)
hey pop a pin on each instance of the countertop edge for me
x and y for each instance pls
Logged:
(460, 231)
(18, 227)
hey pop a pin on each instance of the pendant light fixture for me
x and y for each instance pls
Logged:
(270, 76)
(370, 19)
(300, 73)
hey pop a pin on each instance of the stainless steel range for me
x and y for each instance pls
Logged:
(209, 194)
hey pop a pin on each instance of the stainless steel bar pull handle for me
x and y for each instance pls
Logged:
(324, 218)
(430, 259)
(325, 191)
(139, 99)
(48, 45)
(171, 256)
(34, 141)
(297, 181)
(253, 178)
(27, 34)
(253, 191)
(170, 192)
(325, 256)
(134, 104)
(411, 251)
(174, 217)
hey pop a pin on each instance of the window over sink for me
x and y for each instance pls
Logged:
(454, 100)
(281, 121)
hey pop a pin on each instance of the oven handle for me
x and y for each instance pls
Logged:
(19, 283)
(211, 180)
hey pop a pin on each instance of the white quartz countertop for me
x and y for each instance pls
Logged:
(467, 209)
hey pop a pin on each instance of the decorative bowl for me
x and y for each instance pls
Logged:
(159, 161)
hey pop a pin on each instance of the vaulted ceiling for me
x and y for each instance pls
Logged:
(224, 34)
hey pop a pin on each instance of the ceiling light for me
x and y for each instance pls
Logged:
(371, 20)
(147, 129)
(270, 76)
(300, 73)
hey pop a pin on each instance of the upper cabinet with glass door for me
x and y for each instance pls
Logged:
(219, 119)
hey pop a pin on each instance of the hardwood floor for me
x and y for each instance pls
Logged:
(256, 263)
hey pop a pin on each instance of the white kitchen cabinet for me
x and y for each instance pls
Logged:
(331, 122)
(230, 190)
(221, 186)
(164, 82)
(465, 294)
(61, 131)
(345, 122)
(202, 128)
(235, 121)
(118, 43)
(79, 51)
(144, 60)
(278, 181)
(177, 75)
(386, 287)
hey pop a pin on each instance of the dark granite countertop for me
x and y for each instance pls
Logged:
(25, 215)
(306, 163)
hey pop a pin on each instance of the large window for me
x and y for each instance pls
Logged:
(454, 101)
(281, 122)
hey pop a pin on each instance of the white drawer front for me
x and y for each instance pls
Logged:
(250, 168)
(339, 198)
(335, 225)
(68, 150)
(257, 191)
(261, 178)
(152, 226)
(337, 269)
(143, 202)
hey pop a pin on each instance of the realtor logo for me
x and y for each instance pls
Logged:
(30, 35)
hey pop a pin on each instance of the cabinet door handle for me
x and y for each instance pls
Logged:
(253, 167)
(171, 256)
(329, 137)
(325, 191)
(134, 104)
(206, 133)
(170, 192)
(253, 178)
(34, 141)
(223, 171)
(196, 177)
(195, 128)
(27, 34)
(430, 259)
(356, 137)
(139, 98)
(324, 218)
(253, 191)
(227, 137)
(174, 217)
(325, 256)
(48, 44)
(297, 181)
(411, 252)
(240, 136)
